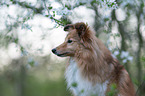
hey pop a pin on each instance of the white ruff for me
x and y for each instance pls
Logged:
(83, 86)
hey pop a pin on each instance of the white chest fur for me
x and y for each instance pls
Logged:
(81, 86)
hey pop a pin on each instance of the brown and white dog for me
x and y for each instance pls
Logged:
(92, 69)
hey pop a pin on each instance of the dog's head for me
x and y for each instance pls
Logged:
(77, 37)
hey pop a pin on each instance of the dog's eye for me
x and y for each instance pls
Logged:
(69, 41)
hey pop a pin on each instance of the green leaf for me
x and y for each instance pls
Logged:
(113, 90)
(47, 15)
(143, 58)
(8, 5)
(66, 5)
(113, 86)
(16, 40)
(74, 84)
(106, 19)
(51, 17)
(32, 63)
(112, 4)
(82, 91)
(50, 8)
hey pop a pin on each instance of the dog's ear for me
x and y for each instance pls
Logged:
(84, 33)
(81, 28)
(68, 27)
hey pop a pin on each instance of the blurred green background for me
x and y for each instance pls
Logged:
(18, 80)
(29, 29)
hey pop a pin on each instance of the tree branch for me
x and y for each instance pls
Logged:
(26, 5)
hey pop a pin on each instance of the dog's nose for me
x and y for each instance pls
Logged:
(54, 50)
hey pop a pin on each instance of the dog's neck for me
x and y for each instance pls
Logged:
(93, 69)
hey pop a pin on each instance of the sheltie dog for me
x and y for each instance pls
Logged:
(92, 70)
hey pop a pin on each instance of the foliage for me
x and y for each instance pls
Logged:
(33, 86)
(113, 90)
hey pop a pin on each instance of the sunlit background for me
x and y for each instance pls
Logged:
(29, 29)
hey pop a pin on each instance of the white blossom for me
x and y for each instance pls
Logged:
(130, 58)
(62, 11)
(116, 53)
(124, 54)
(124, 61)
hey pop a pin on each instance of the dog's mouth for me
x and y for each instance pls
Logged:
(62, 55)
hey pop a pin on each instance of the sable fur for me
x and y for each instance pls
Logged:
(94, 59)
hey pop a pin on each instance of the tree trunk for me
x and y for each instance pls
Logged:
(140, 43)
(122, 32)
